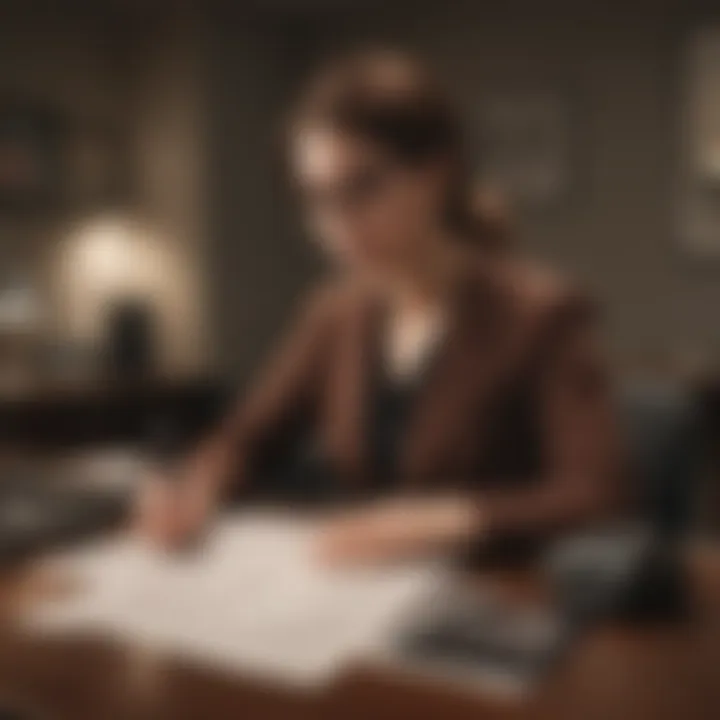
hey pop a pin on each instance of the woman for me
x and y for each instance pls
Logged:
(435, 368)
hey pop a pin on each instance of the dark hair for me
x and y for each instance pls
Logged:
(395, 101)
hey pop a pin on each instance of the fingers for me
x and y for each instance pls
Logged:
(161, 515)
(356, 550)
(399, 531)
(366, 539)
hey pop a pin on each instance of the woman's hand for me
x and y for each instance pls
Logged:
(398, 530)
(170, 513)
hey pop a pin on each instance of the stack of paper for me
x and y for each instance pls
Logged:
(253, 599)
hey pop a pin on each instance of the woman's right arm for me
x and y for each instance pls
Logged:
(288, 387)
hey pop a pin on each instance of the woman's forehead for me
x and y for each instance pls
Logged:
(325, 152)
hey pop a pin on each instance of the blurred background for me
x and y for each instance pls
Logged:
(149, 248)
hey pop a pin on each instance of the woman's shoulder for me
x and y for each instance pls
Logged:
(534, 291)
(333, 301)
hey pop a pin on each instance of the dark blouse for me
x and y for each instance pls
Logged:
(392, 401)
(391, 406)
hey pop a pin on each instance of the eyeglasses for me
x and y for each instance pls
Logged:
(357, 189)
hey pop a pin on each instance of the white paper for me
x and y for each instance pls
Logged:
(252, 600)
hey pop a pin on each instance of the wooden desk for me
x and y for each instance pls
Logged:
(655, 673)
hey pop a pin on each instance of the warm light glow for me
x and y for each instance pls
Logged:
(103, 250)
(111, 259)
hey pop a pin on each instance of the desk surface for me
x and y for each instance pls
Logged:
(653, 673)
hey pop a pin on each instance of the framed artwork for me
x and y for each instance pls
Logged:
(698, 216)
(526, 146)
(32, 145)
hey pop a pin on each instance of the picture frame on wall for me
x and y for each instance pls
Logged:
(698, 211)
(526, 146)
(32, 155)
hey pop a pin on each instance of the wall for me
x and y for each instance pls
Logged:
(258, 260)
(169, 140)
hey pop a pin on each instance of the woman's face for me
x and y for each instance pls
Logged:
(368, 211)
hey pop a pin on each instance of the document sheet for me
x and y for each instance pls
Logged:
(252, 599)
